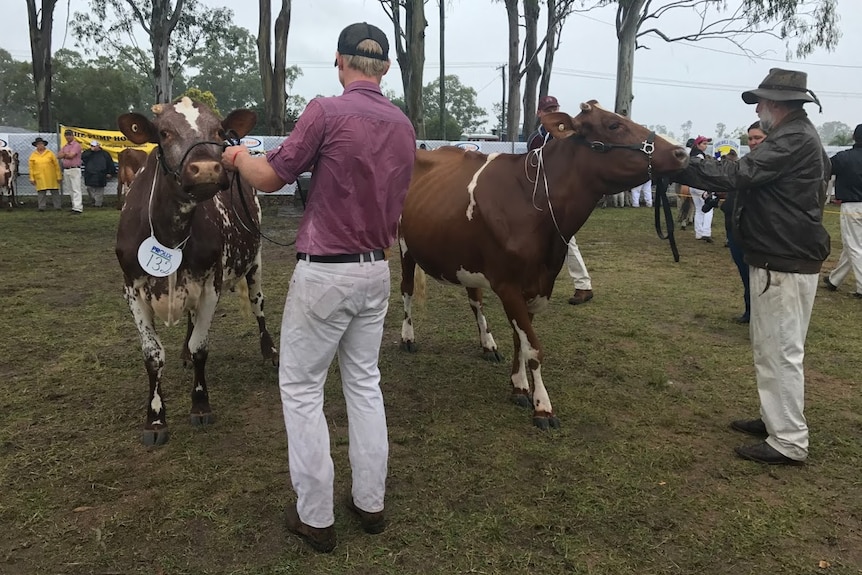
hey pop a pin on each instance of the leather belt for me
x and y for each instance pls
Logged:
(72, 168)
(374, 256)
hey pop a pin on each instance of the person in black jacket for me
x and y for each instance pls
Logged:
(778, 222)
(847, 169)
(98, 167)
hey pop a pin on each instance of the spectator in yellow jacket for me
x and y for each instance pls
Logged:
(45, 174)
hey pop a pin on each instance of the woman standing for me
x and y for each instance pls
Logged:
(45, 174)
(702, 221)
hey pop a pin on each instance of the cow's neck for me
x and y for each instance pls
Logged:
(171, 211)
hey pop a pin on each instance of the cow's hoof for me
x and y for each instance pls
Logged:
(546, 422)
(409, 346)
(153, 437)
(197, 419)
(521, 400)
(492, 355)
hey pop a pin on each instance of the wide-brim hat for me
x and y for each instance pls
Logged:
(39, 139)
(781, 86)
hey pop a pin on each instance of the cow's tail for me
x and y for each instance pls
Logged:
(241, 289)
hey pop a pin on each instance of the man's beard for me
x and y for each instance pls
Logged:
(767, 120)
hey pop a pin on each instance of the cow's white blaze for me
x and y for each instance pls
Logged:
(472, 279)
(471, 187)
(187, 108)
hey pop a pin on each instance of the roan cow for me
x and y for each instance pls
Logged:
(8, 177)
(184, 237)
(503, 222)
(129, 161)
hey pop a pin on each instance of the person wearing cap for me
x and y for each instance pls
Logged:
(70, 160)
(98, 167)
(702, 221)
(847, 169)
(45, 174)
(362, 148)
(574, 261)
(777, 220)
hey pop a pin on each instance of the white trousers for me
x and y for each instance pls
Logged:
(851, 253)
(702, 221)
(72, 182)
(644, 189)
(577, 268)
(779, 325)
(334, 308)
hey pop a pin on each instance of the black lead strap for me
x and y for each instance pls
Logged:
(663, 203)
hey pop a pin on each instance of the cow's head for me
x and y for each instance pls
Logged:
(639, 152)
(189, 136)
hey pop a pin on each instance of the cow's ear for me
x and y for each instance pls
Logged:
(240, 121)
(559, 125)
(137, 128)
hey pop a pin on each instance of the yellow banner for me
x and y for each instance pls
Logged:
(111, 141)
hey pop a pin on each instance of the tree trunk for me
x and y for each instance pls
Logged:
(161, 27)
(628, 23)
(533, 69)
(40, 50)
(513, 114)
(550, 48)
(410, 56)
(273, 76)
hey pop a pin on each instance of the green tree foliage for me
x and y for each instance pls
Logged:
(93, 93)
(227, 66)
(204, 97)
(835, 132)
(17, 107)
(462, 114)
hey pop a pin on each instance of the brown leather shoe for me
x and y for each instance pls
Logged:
(319, 538)
(372, 523)
(765, 453)
(581, 296)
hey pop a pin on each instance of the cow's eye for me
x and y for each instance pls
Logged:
(164, 134)
(614, 126)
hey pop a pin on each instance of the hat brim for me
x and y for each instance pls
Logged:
(754, 96)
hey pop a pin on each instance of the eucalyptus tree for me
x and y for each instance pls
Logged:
(41, 19)
(273, 72)
(176, 30)
(409, 23)
(802, 25)
(17, 107)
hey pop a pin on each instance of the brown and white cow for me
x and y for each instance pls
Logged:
(181, 206)
(129, 161)
(503, 222)
(8, 177)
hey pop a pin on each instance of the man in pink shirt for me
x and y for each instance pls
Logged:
(70, 162)
(362, 149)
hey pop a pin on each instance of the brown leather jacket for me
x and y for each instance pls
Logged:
(778, 217)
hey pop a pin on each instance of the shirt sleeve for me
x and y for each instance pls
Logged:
(298, 152)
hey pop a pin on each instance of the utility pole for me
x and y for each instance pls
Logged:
(503, 111)
(442, 71)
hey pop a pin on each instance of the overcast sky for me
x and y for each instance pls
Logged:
(674, 83)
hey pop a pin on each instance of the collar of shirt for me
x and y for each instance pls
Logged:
(362, 85)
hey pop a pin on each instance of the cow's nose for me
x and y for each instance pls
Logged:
(205, 171)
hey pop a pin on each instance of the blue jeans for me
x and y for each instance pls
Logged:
(738, 259)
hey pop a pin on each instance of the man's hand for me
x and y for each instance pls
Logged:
(229, 156)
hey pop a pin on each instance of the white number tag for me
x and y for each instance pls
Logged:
(158, 260)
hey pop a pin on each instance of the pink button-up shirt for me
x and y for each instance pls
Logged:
(71, 155)
(362, 149)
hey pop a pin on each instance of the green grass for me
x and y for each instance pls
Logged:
(641, 478)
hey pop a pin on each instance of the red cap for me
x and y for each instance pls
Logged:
(700, 139)
(547, 102)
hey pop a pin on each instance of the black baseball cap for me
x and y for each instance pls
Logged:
(355, 34)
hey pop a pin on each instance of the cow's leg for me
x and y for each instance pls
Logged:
(486, 340)
(202, 319)
(528, 355)
(408, 270)
(156, 425)
(255, 297)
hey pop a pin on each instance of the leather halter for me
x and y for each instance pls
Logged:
(647, 147)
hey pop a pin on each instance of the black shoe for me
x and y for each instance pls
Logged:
(320, 539)
(765, 453)
(744, 318)
(75, 212)
(707, 239)
(829, 285)
(754, 427)
(372, 523)
(857, 295)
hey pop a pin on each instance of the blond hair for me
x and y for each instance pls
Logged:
(367, 66)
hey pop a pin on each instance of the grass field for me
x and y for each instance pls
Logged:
(640, 479)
